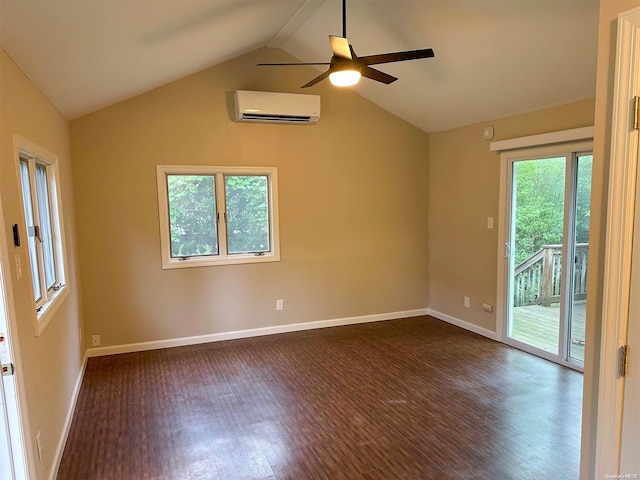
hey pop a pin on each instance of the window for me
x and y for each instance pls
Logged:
(38, 182)
(217, 215)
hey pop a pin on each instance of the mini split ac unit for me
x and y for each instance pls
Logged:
(271, 107)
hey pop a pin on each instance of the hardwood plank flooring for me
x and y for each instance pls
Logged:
(407, 399)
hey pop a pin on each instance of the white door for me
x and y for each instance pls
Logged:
(13, 457)
(617, 448)
(6, 454)
(6, 457)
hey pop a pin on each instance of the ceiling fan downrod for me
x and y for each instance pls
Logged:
(344, 18)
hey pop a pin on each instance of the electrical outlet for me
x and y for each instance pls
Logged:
(39, 446)
(487, 307)
(95, 340)
(467, 302)
(280, 304)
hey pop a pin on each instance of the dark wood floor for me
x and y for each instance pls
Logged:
(406, 399)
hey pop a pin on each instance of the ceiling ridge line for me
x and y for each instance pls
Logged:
(295, 22)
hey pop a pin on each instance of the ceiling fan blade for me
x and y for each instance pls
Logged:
(377, 75)
(397, 56)
(319, 78)
(340, 47)
(290, 64)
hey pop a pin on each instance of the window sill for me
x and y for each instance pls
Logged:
(213, 261)
(48, 310)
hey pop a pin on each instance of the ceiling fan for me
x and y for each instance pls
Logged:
(346, 68)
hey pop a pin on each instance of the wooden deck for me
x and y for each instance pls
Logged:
(538, 326)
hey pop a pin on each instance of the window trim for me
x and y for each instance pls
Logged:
(44, 310)
(223, 258)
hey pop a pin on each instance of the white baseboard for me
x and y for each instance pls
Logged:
(254, 332)
(462, 324)
(67, 423)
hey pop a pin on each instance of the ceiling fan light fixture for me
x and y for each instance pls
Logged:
(344, 78)
(346, 68)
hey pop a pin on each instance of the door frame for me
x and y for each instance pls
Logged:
(512, 150)
(623, 169)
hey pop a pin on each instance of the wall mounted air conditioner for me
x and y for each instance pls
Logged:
(271, 107)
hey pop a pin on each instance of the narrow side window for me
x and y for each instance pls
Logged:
(42, 224)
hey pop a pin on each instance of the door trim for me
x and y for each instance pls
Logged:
(619, 242)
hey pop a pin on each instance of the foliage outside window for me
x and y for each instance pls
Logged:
(192, 215)
(217, 215)
(41, 232)
(540, 198)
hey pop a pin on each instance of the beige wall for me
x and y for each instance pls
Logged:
(353, 208)
(464, 180)
(51, 362)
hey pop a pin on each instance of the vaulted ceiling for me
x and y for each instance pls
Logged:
(493, 57)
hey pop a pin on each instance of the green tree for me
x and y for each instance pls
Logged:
(247, 198)
(539, 203)
(583, 198)
(192, 214)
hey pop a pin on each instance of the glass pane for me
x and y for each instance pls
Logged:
(192, 215)
(31, 239)
(247, 199)
(44, 209)
(538, 224)
(583, 217)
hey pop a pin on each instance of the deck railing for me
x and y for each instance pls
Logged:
(537, 280)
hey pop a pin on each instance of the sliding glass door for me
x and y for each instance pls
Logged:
(546, 251)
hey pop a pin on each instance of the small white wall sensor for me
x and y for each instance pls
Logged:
(487, 133)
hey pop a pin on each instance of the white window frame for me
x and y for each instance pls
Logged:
(222, 258)
(51, 299)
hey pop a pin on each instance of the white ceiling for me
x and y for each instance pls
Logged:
(493, 57)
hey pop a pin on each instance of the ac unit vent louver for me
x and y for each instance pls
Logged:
(272, 107)
(256, 117)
